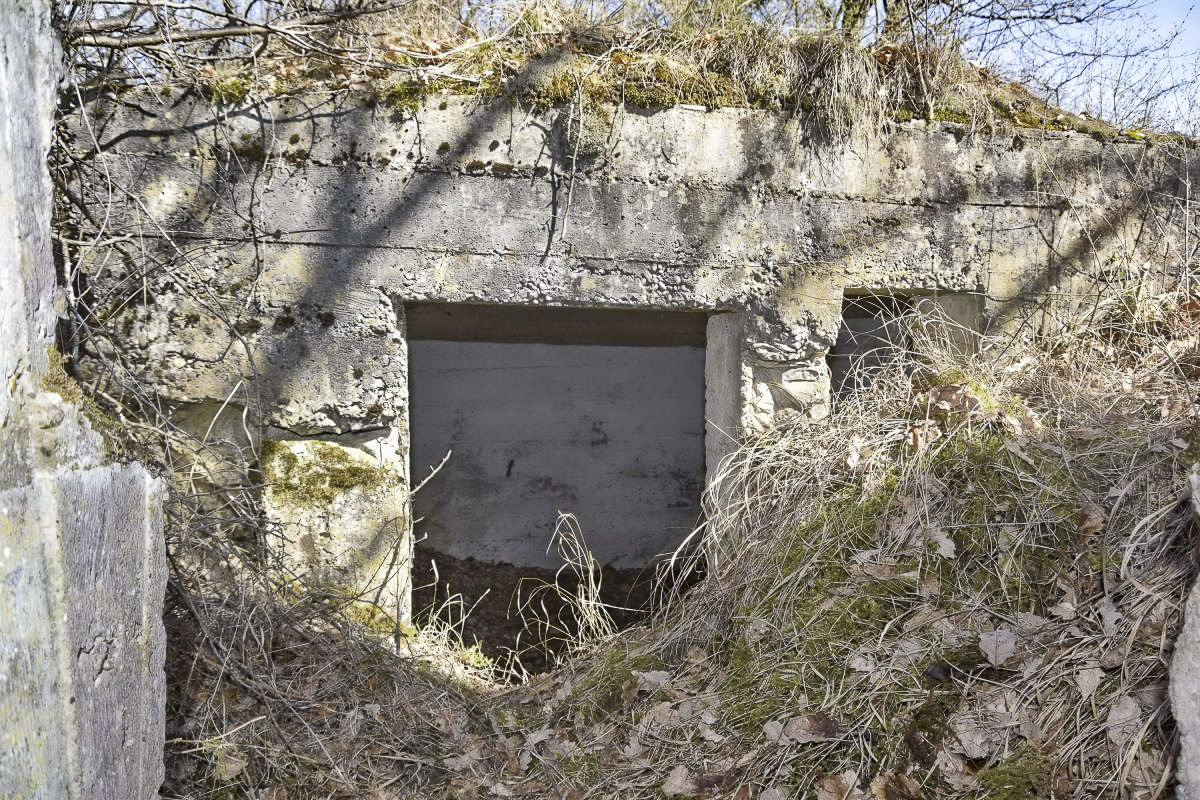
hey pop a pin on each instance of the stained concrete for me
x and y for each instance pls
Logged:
(82, 569)
(549, 416)
(339, 512)
(28, 70)
(310, 219)
(311, 222)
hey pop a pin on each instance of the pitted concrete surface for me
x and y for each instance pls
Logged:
(309, 219)
(310, 223)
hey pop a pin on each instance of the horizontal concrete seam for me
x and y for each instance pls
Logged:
(446, 251)
(525, 174)
(763, 188)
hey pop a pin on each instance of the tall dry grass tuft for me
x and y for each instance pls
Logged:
(566, 615)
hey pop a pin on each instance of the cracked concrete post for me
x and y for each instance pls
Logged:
(1185, 680)
(82, 569)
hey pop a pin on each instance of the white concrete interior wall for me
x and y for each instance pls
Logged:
(595, 413)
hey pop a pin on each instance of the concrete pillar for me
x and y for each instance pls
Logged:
(82, 691)
(82, 568)
(722, 389)
(340, 512)
(339, 507)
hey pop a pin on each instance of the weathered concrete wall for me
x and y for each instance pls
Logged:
(302, 227)
(1185, 678)
(307, 220)
(81, 644)
(28, 64)
(82, 571)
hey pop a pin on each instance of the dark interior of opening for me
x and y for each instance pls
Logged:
(594, 413)
(868, 340)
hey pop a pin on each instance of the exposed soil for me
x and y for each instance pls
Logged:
(494, 593)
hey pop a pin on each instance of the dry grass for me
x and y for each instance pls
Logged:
(545, 54)
(561, 620)
(966, 583)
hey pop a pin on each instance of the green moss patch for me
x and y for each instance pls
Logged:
(1024, 776)
(321, 474)
(118, 445)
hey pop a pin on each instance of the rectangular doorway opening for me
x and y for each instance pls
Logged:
(592, 412)
(870, 337)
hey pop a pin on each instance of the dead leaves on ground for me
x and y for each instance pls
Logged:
(803, 729)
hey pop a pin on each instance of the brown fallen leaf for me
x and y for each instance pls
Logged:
(1124, 718)
(892, 786)
(229, 763)
(954, 771)
(977, 734)
(998, 645)
(802, 729)
(644, 682)
(773, 730)
(1110, 615)
(843, 786)
(708, 734)
(679, 783)
(1090, 518)
(711, 780)
(920, 434)
(1088, 680)
(941, 541)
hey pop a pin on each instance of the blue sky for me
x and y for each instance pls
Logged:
(1173, 12)
(1164, 16)
(1118, 90)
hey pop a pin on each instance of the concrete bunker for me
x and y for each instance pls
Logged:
(520, 413)
(735, 216)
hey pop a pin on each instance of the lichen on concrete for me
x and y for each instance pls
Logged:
(340, 517)
(320, 473)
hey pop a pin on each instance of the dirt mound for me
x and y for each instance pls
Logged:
(493, 595)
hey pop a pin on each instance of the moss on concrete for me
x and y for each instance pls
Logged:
(118, 447)
(322, 474)
(228, 91)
